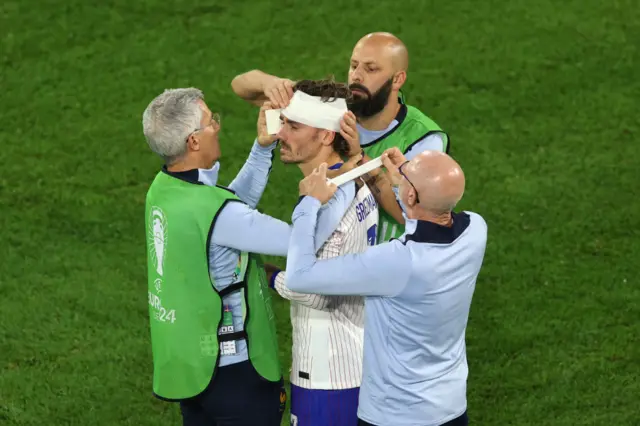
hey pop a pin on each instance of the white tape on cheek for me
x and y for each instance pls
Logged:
(273, 121)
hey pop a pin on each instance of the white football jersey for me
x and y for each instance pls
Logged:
(328, 331)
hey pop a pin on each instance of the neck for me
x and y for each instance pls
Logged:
(381, 120)
(443, 219)
(188, 163)
(330, 158)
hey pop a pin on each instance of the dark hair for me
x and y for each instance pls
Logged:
(328, 90)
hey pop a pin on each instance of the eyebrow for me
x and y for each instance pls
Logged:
(285, 119)
(369, 62)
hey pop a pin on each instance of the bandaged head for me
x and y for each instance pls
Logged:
(309, 110)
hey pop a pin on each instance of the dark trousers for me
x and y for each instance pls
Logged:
(237, 396)
(463, 420)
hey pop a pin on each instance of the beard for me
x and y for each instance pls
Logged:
(287, 156)
(370, 104)
(300, 153)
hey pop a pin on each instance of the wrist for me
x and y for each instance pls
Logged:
(265, 79)
(263, 147)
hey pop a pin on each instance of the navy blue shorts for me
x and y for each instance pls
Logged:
(317, 407)
(237, 396)
(463, 420)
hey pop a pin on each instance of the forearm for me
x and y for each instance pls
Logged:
(382, 270)
(313, 301)
(250, 85)
(381, 188)
(251, 180)
(242, 228)
(331, 214)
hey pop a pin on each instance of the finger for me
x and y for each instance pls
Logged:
(289, 86)
(344, 132)
(276, 98)
(322, 170)
(387, 162)
(395, 156)
(351, 119)
(345, 124)
(347, 131)
(284, 94)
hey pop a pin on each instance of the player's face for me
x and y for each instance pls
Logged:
(370, 80)
(299, 143)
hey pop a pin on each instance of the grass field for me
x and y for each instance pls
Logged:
(541, 100)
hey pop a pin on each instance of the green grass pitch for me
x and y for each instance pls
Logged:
(540, 99)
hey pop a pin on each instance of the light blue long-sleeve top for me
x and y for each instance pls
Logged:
(419, 290)
(240, 227)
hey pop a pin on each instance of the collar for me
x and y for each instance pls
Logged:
(421, 231)
(335, 166)
(207, 177)
(400, 116)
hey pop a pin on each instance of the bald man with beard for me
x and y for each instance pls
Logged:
(418, 290)
(377, 72)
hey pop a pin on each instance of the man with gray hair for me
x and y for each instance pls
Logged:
(212, 325)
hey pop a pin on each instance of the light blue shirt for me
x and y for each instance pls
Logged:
(240, 227)
(419, 290)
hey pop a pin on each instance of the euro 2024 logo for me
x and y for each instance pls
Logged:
(158, 238)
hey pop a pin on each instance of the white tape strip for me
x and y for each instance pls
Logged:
(273, 121)
(357, 172)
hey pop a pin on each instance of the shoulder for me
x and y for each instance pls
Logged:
(345, 193)
(475, 218)
(477, 224)
(420, 119)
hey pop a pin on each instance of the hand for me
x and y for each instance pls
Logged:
(264, 138)
(392, 159)
(316, 185)
(349, 132)
(279, 91)
(350, 164)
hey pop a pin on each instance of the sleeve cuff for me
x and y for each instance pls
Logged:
(272, 280)
(306, 205)
(264, 149)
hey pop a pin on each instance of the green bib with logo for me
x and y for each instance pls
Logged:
(185, 308)
(413, 127)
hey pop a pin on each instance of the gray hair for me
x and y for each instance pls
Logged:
(169, 119)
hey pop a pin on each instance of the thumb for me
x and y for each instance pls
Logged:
(322, 170)
(353, 161)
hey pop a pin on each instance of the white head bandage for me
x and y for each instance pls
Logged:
(309, 110)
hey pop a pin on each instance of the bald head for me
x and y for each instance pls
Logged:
(438, 179)
(388, 48)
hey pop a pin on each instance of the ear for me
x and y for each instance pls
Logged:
(411, 198)
(399, 79)
(327, 137)
(193, 142)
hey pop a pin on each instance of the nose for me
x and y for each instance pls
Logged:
(356, 75)
(281, 134)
